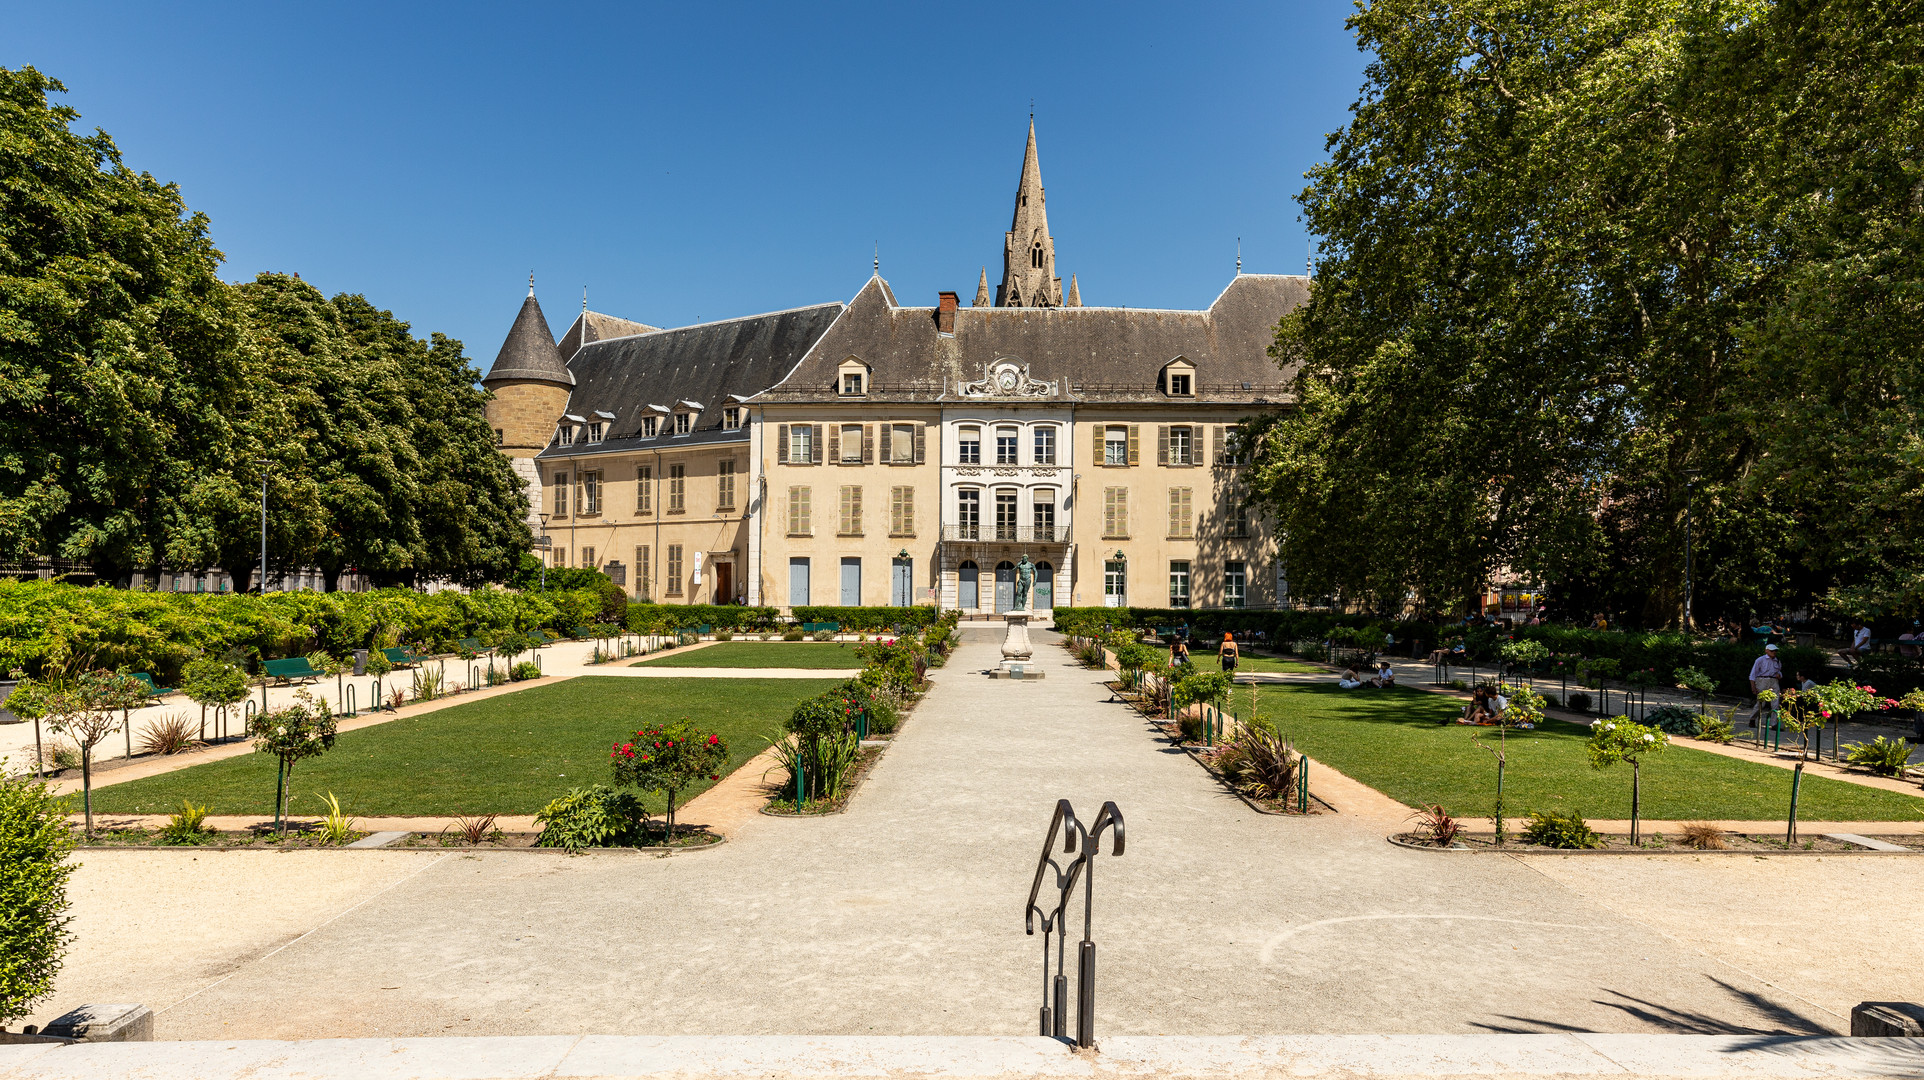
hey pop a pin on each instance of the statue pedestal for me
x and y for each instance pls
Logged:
(1017, 653)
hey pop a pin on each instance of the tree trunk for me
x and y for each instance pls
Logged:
(280, 785)
(1499, 799)
(1796, 781)
(87, 785)
(330, 579)
(1636, 800)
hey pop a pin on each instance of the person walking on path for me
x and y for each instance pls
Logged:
(1229, 654)
(1765, 672)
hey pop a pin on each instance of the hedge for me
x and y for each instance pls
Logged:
(651, 618)
(161, 631)
(1662, 651)
(871, 619)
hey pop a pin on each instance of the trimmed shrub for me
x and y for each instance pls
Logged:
(592, 817)
(1579, 701)
(1675, 720)
(34, 842)
(1568, 831)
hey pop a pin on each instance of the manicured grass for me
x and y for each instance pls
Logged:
(754, 654)
(506, 755)
(1392, 741)
(1278, 665)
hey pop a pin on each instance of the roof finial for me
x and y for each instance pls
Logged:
(584, 299)
(878, 258)
(1309, 258)
(1239, 256)
(531, 283)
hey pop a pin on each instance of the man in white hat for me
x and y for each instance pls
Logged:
(1765, 674)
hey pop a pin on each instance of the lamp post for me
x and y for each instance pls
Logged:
(1689, 582)
(544, 554)
(263, 466)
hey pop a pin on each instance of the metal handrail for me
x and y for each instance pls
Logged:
(1021, 534)
(1085, 844)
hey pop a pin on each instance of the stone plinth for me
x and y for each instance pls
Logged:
(1017, 653)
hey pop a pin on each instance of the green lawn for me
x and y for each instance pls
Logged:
(1278, 665)
(506, 755)
(1392, 742)
(754, 654)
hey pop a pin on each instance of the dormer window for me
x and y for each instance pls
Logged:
(684, 423)
(565, 435)
(595, 431)
(1179, 378)
(650, 425)
(732, 418)
(852, 378)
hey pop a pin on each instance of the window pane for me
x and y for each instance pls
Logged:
(1005, 443)
(1179, 584)
(1045, 446)
(1115, 446)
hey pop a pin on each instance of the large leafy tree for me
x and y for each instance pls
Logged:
(118, 349)
(1587, 262)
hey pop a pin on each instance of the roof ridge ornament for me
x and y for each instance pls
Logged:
(1009, 377)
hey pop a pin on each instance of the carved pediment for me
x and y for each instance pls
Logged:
(1009, 378)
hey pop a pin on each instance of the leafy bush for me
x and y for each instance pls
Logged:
(1579, 701)
(822, 635)
(1566, 831)
(792, 635)
(186, 825)
(872, 619)
(1262, 764)
(724, 635)
(1675, 720)
(336, 827)
(525, 670)
(1435, 825)
(1716, 729)
(1199, 685)
(592, 817)
(34, 842)
(1885, 757)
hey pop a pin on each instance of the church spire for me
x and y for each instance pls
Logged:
(1075, 294)
(982, 290)
(1028, 251)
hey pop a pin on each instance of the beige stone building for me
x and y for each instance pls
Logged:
(874, 453)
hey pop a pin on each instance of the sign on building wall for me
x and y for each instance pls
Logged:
(698, 558)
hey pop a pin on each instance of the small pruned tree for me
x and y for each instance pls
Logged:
(212, 681)
(304, 729)
(1612, 741)
(669, 760)
(1525, 710)
(1698, 682)
(86, 706)
(34, 842)
(1803, 710)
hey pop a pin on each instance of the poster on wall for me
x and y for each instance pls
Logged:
(698, 556)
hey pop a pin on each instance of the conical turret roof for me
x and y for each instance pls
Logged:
(530, 352)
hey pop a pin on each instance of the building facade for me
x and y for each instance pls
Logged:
(875, 453)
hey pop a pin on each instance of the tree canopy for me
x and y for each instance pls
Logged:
(143, 400)
(1584, 264)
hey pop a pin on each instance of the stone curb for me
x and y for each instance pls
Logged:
(1644, 852)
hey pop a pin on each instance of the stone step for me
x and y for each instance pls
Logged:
(379, 839)
(620, 1057)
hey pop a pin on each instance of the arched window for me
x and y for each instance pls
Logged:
(968, 577)
(1035, 256)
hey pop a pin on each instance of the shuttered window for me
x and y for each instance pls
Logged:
(644, 574)
(674, 569)
(901, 511)
(1115, 513)
(725, 486)
(645, 489)
(677, 489)
(851, 510)
(1182, 521)
(798, 516)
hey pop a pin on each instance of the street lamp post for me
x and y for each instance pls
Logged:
(263, 465)
(1689, 578)
(544, 555)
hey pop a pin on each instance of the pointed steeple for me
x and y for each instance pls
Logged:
(1075, 294)
(982, 290)
(1028, 251)
(530, 353)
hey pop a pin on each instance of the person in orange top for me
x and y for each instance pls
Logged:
(1229, 653)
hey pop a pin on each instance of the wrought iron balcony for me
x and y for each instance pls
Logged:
(1007, 534)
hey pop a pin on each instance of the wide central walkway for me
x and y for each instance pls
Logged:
(904, 916)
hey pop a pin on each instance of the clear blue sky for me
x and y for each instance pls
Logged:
(698, 161)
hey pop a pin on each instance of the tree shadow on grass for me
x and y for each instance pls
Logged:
(1771, 1017)
(1404, 706)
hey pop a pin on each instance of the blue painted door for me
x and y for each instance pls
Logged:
(797, 582)
(1004, 586)
(902, 582)
(1045, 587)
(851, 581)
(971, 597)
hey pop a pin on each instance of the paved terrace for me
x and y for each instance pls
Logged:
(903, 916)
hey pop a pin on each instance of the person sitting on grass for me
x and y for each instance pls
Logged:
(1351, 679)
(1478, 710)
(1385, 675)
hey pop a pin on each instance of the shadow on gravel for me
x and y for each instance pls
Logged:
(1774, 1018)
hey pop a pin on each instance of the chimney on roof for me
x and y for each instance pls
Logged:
(945, 313)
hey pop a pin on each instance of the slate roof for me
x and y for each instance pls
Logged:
(529, 352)
(592, 326)
(707, 363)
(1094, 353)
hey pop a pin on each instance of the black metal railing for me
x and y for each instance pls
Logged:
(1020, 534)
(1085, 844)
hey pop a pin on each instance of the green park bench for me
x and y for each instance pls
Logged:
(473, 645)
(817, 627)
(704, 628)
(401, 656)
(153, 689)
(584, 631)
(290, 669)
(541, 637)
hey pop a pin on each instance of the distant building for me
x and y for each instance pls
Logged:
(873, 453)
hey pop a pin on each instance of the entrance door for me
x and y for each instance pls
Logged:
(851, 581)
(724, 583)
(901, 582)
(798, 581)
(971, 597)
(1115, 584)
(1045, 587)
(1004, 586)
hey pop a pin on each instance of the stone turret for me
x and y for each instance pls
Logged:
(531, 384)
(1075, 294)
(982, 290)
(1028, 251)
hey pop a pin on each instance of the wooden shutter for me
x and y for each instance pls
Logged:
(921, 432)
(868, 444)
(1135, 431)
(834, 443)
(887, 442)
(1162, 444)
(1175, 512)
(855, 509)
(1216, 444)
(815, 446)
(1098, 459)
(1108, 512)
(908, 511)
(781, 444)
(1122, 512)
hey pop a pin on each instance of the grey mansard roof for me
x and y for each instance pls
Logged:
(593, 326)
(529, 352)
(1092, 353)
(714, 364)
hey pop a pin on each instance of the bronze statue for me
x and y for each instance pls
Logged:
(1024, 581)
